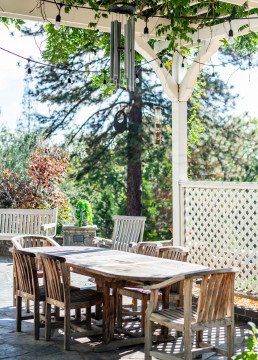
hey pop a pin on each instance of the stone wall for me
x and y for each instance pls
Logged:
(5, 245)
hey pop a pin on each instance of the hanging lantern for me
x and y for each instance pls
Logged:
(157, 125)
(129, 46)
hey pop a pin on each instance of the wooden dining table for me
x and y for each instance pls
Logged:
(114, 269)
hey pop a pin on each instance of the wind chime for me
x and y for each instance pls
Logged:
(128, 49)
(157, 125)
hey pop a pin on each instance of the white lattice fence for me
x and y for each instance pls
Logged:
(219, 225)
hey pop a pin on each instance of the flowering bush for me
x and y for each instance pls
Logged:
(47, 167)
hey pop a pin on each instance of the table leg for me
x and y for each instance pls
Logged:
(108, 313)
(98, 311)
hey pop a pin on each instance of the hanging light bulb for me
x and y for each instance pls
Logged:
(230, 35)
(29, 70)
(104, 84)
(146, 36)
(69, 82)
(137, 80)
(58, 22)
(183, 62)
(58, 17)
(213, 72)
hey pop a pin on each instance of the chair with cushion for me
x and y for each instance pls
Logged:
(27, 287)
(128, 232)
(26, 241)
(215, 308)
(58, 293)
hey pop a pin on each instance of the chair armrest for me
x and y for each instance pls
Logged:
(101, 241)
(48, 226)
(53, 242)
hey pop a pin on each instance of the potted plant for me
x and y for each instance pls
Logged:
(83, 213)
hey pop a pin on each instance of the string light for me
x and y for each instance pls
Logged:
(69, 81)
(104, 81)
(183, 62)
(213, 72)
(29, 69)
(146, 36)
(230, 34)
(161, 64)
(85, 72)
(137, 80)
(58, 17)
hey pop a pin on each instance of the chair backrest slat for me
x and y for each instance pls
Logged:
(174, 253)
(25, 271)
(55, 278)
(147, 248)
(216, 296)
(127, 230)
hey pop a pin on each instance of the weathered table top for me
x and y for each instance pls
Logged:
(120, 265)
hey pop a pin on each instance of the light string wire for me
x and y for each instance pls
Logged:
(69, 70)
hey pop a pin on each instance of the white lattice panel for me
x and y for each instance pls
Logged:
(219, 226)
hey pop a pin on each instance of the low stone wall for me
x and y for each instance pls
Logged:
(245, 315)
(5, 245)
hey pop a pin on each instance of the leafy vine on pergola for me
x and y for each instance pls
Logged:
(186, 17)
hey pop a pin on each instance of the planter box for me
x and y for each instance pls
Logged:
(74, 235)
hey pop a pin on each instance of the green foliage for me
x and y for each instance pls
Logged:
(8, 21)
(251, 352)
(181, 14)
(16, 149)
(83, 211)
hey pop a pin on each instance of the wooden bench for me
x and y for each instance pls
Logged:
(14, 222)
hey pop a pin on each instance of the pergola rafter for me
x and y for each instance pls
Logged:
(178, 86)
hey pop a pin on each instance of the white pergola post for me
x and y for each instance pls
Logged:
(179, 161)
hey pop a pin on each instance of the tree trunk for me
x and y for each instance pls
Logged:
(134, 167)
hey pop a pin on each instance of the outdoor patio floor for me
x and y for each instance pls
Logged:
(23, 346)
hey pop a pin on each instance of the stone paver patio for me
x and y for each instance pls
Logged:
(22, 345)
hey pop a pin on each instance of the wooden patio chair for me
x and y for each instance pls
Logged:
(177, 253)
(143, 248)
(128, 232)
(176, 293)
(215, 308)
(27, 287)
(26, 241)
(58, 293)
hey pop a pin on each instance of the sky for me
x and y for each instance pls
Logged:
(12, 82)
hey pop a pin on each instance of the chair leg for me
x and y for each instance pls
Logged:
(67, 329)
(188, 344)
(48, 322)
(78, 314)
(88, 318)
(134, 304)
(36, 320)
(148, 339)
(27, 306)
(230, 340)
(14, 291)
(119, 309)
(144, 307)
(18, 313)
